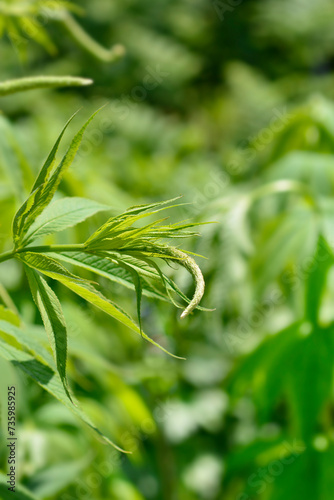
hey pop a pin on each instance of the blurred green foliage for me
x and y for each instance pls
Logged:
(231, 105)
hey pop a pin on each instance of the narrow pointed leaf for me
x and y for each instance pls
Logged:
(316, 280)
(108, 268)
(43, 194)
(47, 379)
(26, 340)
(139, 289)
(53, 319)
(46, 265)
(50, 161)
(122, 222)
(38, 34)
(62, 214)
(137, 209)
(85, 290)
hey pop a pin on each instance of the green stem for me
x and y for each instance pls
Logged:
(38, 82)
(88, 43)
(41, 249)
(6, 256)
(183, 259)
(188, 263)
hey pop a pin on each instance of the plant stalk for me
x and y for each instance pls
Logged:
(88, 43)
(41, 82)
(189, 263)
(41, 249)
(183, 259)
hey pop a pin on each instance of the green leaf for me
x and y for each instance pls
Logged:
(84, 289)
(47, 379)
(138, 287)
(120, 223)
(314, 169)
(110, 269)
(138, 209)
(309, 476)
(300, 476)
(326, 208)
(47, 185)
(46, 265)
(62, 214)
(37, 33)
(246, 457)
(261, 371)
(52, 480)
(309, 381)
(289, 238)
(304, 385)
(96, 298)
(9, 315)
(316, 280)
(53, 319)
(46, 170)
(326, 460)
(28, 341)
(154, 282)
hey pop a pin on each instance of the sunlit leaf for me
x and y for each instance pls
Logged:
(51, 268)
(53, 319)
(46, 186)
(47, 379)
(61, 214)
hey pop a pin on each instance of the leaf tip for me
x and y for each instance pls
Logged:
(87, 81)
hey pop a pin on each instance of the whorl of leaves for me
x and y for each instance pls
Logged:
(124, 250)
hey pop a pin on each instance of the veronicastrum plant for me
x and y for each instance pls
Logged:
(119, 250)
